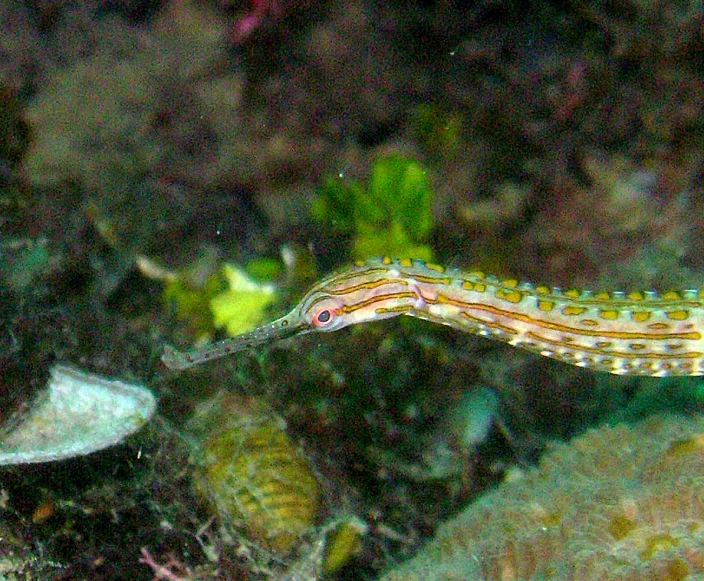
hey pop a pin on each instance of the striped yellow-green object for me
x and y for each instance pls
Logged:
(637, 333)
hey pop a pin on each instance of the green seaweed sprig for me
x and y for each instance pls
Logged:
(390, 214)
(233, 298)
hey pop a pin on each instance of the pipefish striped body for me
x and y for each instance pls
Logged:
(637, 333)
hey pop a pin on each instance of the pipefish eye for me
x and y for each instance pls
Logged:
(324, 313)
(323, 317)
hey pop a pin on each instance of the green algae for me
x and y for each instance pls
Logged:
(228, 298)
(243, 305)
(389, 215)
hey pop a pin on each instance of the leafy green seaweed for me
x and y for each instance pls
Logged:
(391, 214)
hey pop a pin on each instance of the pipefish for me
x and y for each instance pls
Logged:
(636, 333)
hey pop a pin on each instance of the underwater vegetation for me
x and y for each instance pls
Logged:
(189, 301)
(243, 305)
(226, 298)
(391, 214)
(619, 503)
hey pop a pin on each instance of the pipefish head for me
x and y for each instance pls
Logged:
(320, 311)
(323, 314)
(357, 295)
(353, 296)
(360, 293)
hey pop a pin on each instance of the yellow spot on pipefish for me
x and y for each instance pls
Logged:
(406, 262)
(510, 296)
(680, 315)
(572, 310)
(609, 314)
(641, 316)
(479, 287)
(436, 267)
(546, 305)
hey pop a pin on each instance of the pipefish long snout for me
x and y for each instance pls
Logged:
(637, 333)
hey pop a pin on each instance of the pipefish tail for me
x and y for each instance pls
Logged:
(637, 333)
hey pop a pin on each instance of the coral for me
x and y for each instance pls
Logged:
(79, 413)
(619, 503)
(131, 119)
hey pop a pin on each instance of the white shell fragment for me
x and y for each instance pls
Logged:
(79, 413)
